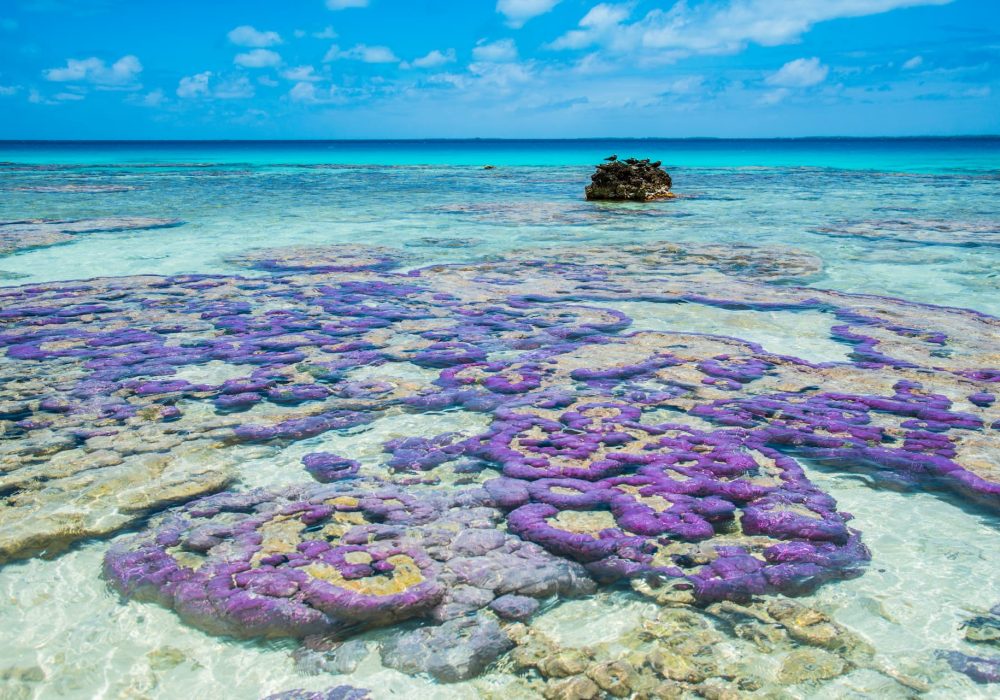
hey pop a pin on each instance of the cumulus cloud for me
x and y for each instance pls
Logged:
(802, 72)
(301, 74)
(245, 35)
(309, 93)
(235, 89)
(345, 4)
(495, 52)
(194, 85)
(8, 90)
(362, 52)
(596, 25)
(715, 28)
(207, 84)
(327, 33)
(258, 58)
(122, 73)
(433, 59)
(773, 97)
(518, 12)
(914, 63)
(153, 99)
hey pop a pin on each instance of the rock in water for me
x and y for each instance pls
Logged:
(629, 180)
(340, 692)
(457, 650)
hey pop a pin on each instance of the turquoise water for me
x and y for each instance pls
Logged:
(898, 154)
(910, 218)
(234, 196)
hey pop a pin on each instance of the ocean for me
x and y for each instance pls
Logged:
(842, 229)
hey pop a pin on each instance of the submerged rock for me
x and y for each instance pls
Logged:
(810, 665)
(330, 658)
(978, 668)
(457, 650)
(319, 258)
(21, 235)
(629, 180)
(340, 692)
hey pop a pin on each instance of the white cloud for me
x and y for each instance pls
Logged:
(205, 84)
(122, 73)
(267, 81)
(344, 4)
(913, 63)
(773, 97)
(258, 58)
(597, 24)
(68, 96)
(246, 35)
(723, 27)
(153, 99)
(499, 78)
(8, 90)
(362, 52)
(308, 93)
(194, 85)
(433, 59)
(301, 74)
(237, 89)
(327, 33)
(303, 92)
(518, 12)
(802, 72)
(495, 52)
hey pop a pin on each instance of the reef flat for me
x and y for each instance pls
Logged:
(665, 462)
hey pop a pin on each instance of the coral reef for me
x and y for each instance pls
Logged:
(340, 692)
(333, 560)
(668, 462)
(326, 258)
(965, 234)
(16, 236)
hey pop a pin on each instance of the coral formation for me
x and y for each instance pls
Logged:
(16, 236)
(629, 180)
(332, 560)
(672, 462)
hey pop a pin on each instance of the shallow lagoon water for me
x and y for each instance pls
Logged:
(934, 559)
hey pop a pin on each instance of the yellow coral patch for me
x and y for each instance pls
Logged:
(343, 502)
(280, 535)
(405, 575)
(583, 522)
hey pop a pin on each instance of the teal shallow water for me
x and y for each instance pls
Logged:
(461, 212)
(915, 220)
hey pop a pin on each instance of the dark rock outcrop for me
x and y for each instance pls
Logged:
(629, 180)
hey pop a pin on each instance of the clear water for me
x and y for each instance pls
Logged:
(934, 561)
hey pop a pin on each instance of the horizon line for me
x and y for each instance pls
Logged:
(959, 137)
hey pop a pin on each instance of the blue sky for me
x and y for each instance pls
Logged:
(497, 68)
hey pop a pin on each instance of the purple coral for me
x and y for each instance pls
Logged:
(325, 467)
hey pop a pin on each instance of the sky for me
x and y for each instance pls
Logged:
(318, 69)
